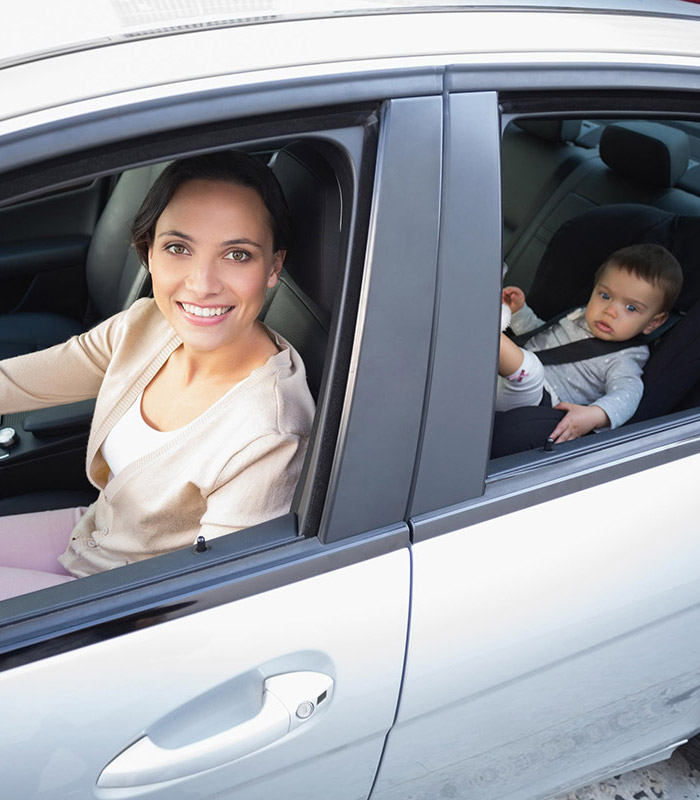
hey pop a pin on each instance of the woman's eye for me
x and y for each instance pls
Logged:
(177, 249)
(238, 255)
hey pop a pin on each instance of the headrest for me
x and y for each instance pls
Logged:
(646, 152)
(312, 192)
(553, 130)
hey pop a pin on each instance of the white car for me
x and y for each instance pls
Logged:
(428, 621)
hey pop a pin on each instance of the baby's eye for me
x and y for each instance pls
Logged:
(177, 249)
(631, 307)
(604, 295)
(238, 255)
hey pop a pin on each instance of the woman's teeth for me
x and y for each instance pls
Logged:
(209, 311)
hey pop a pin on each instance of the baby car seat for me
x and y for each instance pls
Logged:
(564, 280)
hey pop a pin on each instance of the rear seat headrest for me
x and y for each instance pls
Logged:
(646, 152)
(313, 194)
(553, 130)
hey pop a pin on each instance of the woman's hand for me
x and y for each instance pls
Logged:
(513, 297)
(579, 421)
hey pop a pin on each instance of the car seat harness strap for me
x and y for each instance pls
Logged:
(588, 348)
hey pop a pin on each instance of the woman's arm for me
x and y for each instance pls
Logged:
(257, 484)
(64, 373)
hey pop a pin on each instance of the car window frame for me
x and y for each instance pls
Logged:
(529, 478)
(72, 615)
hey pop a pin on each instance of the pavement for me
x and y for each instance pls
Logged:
(670, 780)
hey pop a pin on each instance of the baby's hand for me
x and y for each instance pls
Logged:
(513, 297)
(579, 421)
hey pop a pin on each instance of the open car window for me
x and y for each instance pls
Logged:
(67, 261)
(574, 191)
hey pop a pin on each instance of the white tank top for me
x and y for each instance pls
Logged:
(131, 438)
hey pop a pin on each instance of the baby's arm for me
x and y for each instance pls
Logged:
(623, 391)
(513, 297)
(623, 384)
(524, 318)
(578, 421)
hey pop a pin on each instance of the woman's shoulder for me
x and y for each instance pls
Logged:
(279, 393)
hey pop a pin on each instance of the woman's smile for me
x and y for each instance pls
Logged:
(204, 315)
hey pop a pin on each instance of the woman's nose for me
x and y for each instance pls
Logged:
(203, 277)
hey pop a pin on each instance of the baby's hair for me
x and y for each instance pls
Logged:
(653, 264)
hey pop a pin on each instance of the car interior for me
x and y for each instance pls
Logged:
(574, 191)
(108, 278)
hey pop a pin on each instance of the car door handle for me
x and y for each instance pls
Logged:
(288, 700)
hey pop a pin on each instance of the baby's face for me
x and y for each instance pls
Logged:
(623, 306)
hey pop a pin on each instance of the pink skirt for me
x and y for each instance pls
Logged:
(30, 545)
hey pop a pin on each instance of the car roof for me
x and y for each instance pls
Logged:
(89, 56)
(37, 29)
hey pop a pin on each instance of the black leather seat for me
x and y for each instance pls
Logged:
(301, 305)
(114, 275)
(639, 162)
(536, 156)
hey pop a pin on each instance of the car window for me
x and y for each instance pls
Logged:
(573, 192)
(44, 466)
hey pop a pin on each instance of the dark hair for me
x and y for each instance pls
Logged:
(230, 166)
(653, 264)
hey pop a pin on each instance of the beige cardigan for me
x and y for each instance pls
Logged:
(234, 466)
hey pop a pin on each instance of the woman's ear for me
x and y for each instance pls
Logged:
(150, 256)
(655, 321)
(277, 264)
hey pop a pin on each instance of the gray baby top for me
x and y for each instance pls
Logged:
(613, 382)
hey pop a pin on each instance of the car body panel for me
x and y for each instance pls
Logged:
(75, 26)
(551, 655)
(356, 43)
(82, 708)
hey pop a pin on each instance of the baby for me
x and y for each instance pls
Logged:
(635, 288)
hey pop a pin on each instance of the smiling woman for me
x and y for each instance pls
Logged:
(203, 414)
(211, 256)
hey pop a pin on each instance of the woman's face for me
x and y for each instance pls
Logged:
(211, 260)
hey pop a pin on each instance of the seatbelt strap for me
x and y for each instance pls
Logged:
(581, 350)
(521, 338)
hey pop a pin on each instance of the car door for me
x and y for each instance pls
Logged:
(554, 604)
(43, 247)
(269, 663)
